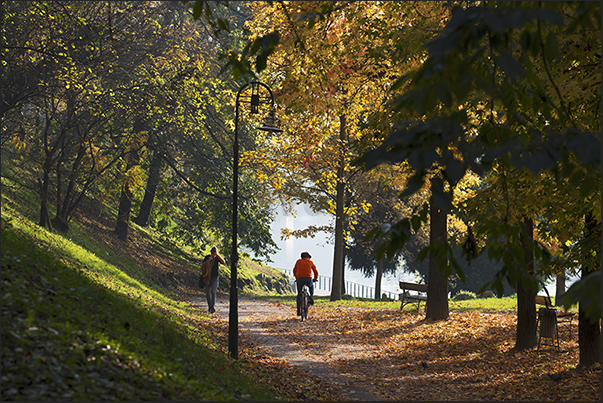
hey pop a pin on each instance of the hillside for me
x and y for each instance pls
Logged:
(88, 317)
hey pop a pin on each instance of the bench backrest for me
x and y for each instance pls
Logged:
(543, 300)
(413, 286)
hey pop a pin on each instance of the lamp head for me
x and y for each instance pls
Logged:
(270, 124)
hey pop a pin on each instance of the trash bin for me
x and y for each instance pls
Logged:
(547, 318)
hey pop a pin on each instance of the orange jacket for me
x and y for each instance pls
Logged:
(304, 268)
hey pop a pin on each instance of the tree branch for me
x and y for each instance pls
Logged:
(188, 182)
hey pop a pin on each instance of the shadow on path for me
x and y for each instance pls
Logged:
(252, 313)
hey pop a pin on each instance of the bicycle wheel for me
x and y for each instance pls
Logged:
(305, 303)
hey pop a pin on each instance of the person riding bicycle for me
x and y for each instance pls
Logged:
(302, 271)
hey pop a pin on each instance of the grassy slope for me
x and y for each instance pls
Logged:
(92, 318)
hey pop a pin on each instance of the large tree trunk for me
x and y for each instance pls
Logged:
(437, 286)
(149, 195)
(589, 339)
(589, 332)
(339, 220)
(526, 304)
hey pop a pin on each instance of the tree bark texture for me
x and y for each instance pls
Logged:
(559, 289)
(144, 213)
(589, 332)
(339, 220)
(437, 286)
(525, 336)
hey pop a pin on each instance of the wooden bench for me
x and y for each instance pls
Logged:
(543, 300)
(419, 295)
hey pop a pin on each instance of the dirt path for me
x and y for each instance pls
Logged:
(384, 354)
(254, 314)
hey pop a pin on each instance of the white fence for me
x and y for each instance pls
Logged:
(351, 288)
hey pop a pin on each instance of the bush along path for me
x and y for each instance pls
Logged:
(384, 354)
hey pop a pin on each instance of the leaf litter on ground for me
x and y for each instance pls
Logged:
(398, 355)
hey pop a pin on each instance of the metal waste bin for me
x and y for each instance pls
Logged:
(547, 320)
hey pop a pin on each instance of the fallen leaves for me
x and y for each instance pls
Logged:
(399, 356)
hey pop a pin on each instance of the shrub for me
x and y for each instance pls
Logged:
(487, 294)
(464, 295)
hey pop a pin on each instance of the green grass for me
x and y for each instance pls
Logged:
(503, 304)
(76, 327)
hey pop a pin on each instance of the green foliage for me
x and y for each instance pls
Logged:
(464, 295)
(585, 292)
(493, 99)
(362, 250)
(96, 93)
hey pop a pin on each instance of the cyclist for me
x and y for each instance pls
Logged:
(303, 270)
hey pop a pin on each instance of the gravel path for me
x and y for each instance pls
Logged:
(253, 313)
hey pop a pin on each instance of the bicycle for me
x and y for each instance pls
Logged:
(304, 303)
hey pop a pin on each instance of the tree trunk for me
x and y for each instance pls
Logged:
(58, 222)
(559, 289)
(339, 219)
(526, 304)
(125, 201)
(144, 213)
(589, 340)
(123, 215)
(378, 277)
(65, 204)
(59, 186)
(49, 153)
(343, 257)
(589, 332)
(44, 214)
(437, 286)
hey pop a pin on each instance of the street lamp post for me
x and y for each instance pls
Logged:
(255, 99)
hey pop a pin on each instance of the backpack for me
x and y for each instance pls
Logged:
(205, 272)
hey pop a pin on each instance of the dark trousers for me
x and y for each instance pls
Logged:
(211, 291)
(300, 284)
